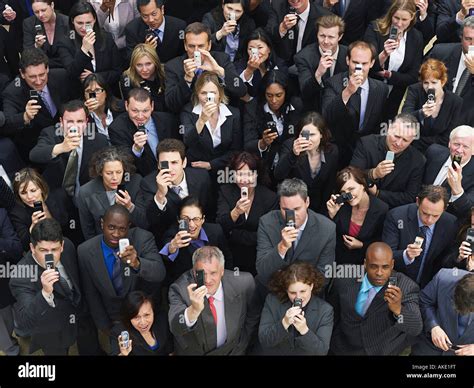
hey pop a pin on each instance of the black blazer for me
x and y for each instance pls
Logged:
(61, 31)
(407, 74)
(307, 61)
(199, 147)
(447, 28)
(9, 60)
(55, 168)
(242, 234)
(162, 334)
(178, 92)
(121, 133)
(433, 131)
(370, 231)
(153, 87)
(398, 238)
(402, 185)
(172, 45)
(321, 186)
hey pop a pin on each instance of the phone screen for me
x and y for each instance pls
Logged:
(200, 278)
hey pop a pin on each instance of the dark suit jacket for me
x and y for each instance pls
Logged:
(437, 309)
(278, 341)
(402, 185)
(9, 60)
(201, 339)
(172, 45)
(48, 326)
(55, 168)
(92, 203)
(102, 299)
(307, 61)
(433, 131)
(447, 29)
(121, 133)
(242, 234)
(199, 147)
(399, 237)
(378, 332)
(177, 91)
(436, 156)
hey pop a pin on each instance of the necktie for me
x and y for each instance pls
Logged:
(414, 270)
(355, 102)
(462, 81)
(70, 174)
(51, 109)
(65, 287)
(158, 39)
(368, 301)
(117, 276)
(177, 190)
(463, 323)
(213, 308)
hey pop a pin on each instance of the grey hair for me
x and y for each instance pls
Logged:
(468, 22)
(462, 130)
(206, 253)
(292, 187)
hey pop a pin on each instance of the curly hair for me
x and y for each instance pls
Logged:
(110, 154)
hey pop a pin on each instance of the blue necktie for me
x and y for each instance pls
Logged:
(117, 276)
(368, 301)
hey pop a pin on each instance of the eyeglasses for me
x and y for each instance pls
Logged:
(196, 220)
(97, 91)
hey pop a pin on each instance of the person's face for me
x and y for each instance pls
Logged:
(43, 11)
(356, 189)
(275, 95)
(401, 20)
(360, 56)
(152, 15)
(195, 218)
(300, 290)
(139, 112)
(44, 247)
(261, 46)
(400, 136)
(213, 273)
(112, 175)
(36, 77)
(80, 22)
(145, 68)
(143, 321)
(228, 8)
(114, 227)
(245, 177)
(378, 268)
(77, 119)
(461, 145)
(193, 42)
(328, 38)
(30, 193)
(176, 165)
(433, 83)
(314, 136)
(209, 87)
(429, 212)
(298, 204)
(100, 93)
(300, 5)
(467, 39)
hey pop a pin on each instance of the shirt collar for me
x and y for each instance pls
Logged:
(219, 295)
(304, 15)
(223, 110)
(162, 27)
(106, 248)
(420, 223)
(267, 109)
(182, 183)
(367, 285)
(203, 235)
(365, 85)
(301, 228)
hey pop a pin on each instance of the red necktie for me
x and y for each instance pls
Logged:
(213, 308)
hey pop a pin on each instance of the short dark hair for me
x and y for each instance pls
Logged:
(142, 3)
(131, 306)
(350, 172)
(191, 201)
(140, 95)
(47, 229)
(171, 145)
(198, 28)
(117, 209)
(433, 194)
(33, 57)
(274, 76)
(318, 121)
(464, 295)
(362, 45)
(41, 1)
(73, 106)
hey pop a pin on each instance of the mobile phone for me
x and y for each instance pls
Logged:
(34, 95)
(453, 347)
(390, 156)
(457, 159)
(244, 192)
(149, 34)
(298, 302)
(292, 11)
(305, 134)
(39, 29)
(431, 95)
(211, 97)
(392, 280)
(327, 53)
(197, 58)
(393, 34)
(271, 125)
(88, 27)
(92, 95)
(121, 186)
(141, 128)
(125, 338)
(164, 165)
(49, 261)
(73, 130)
(183, 225)
(38, 206)
(471, 12)
(290, 218)
(343, 198)
(358, 69)
(419, 241)
(123, 243)
(254, 52)
(200, 278)
(232, 16)
(470, 236)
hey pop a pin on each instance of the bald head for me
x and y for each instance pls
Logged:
(379, 263)
(379, 249)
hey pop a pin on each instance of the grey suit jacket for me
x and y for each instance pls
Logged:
(201, 339)
(317, 244)
(278, 341)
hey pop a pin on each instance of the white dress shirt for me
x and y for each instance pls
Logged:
(302, 21)
(98, 123)
(215, 133)
(364, 97)
(461, 68)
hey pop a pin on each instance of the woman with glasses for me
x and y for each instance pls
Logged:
(190, 233)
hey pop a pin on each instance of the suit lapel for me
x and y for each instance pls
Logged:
(232, 307)
(306, 236)
(371, 100)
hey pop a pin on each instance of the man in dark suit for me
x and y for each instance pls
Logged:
(164, 33)
(396, 181)
(27, 114)
(319, 61)
(108, 274)
(352, 103)
(375, 316)
(65, 151)
(215, 318)
(181, 72)
(447, 307)
(141, 129)
(458, 181)
(163, 192)
(419, 234)
(48, 300)
(451, 14)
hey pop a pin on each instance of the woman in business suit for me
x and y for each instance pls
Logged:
(54, 27)
(314, 161)
(270, 119)
(230, 27)
(114, 181)
(295, 321)
(211, 127)
(359, 222)
(149, 333)
(437, 118)
(239, 214)
(399, 58)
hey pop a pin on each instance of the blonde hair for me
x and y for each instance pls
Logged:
(203, 79)
(145, 50)
(383, 24)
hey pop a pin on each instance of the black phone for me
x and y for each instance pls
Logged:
(431, 95)
(141, 128)
(34, 95)
(290, 218)
(272, 127)
(298, 302)
(305, 134)
(38, 206)
(470, 236)
(292, 11)
(49, 261)
(183, 225)
(453, 347)
(121, 186)
(200, 278)
(343, 198)
(471, 12)
(149, 34)
(393, 34)
(164, 165)
(456, 158)
(92, 95)
(39, 29)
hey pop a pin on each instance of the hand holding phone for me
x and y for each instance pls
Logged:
(390, 156)
(123, 243)
(290, 218)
